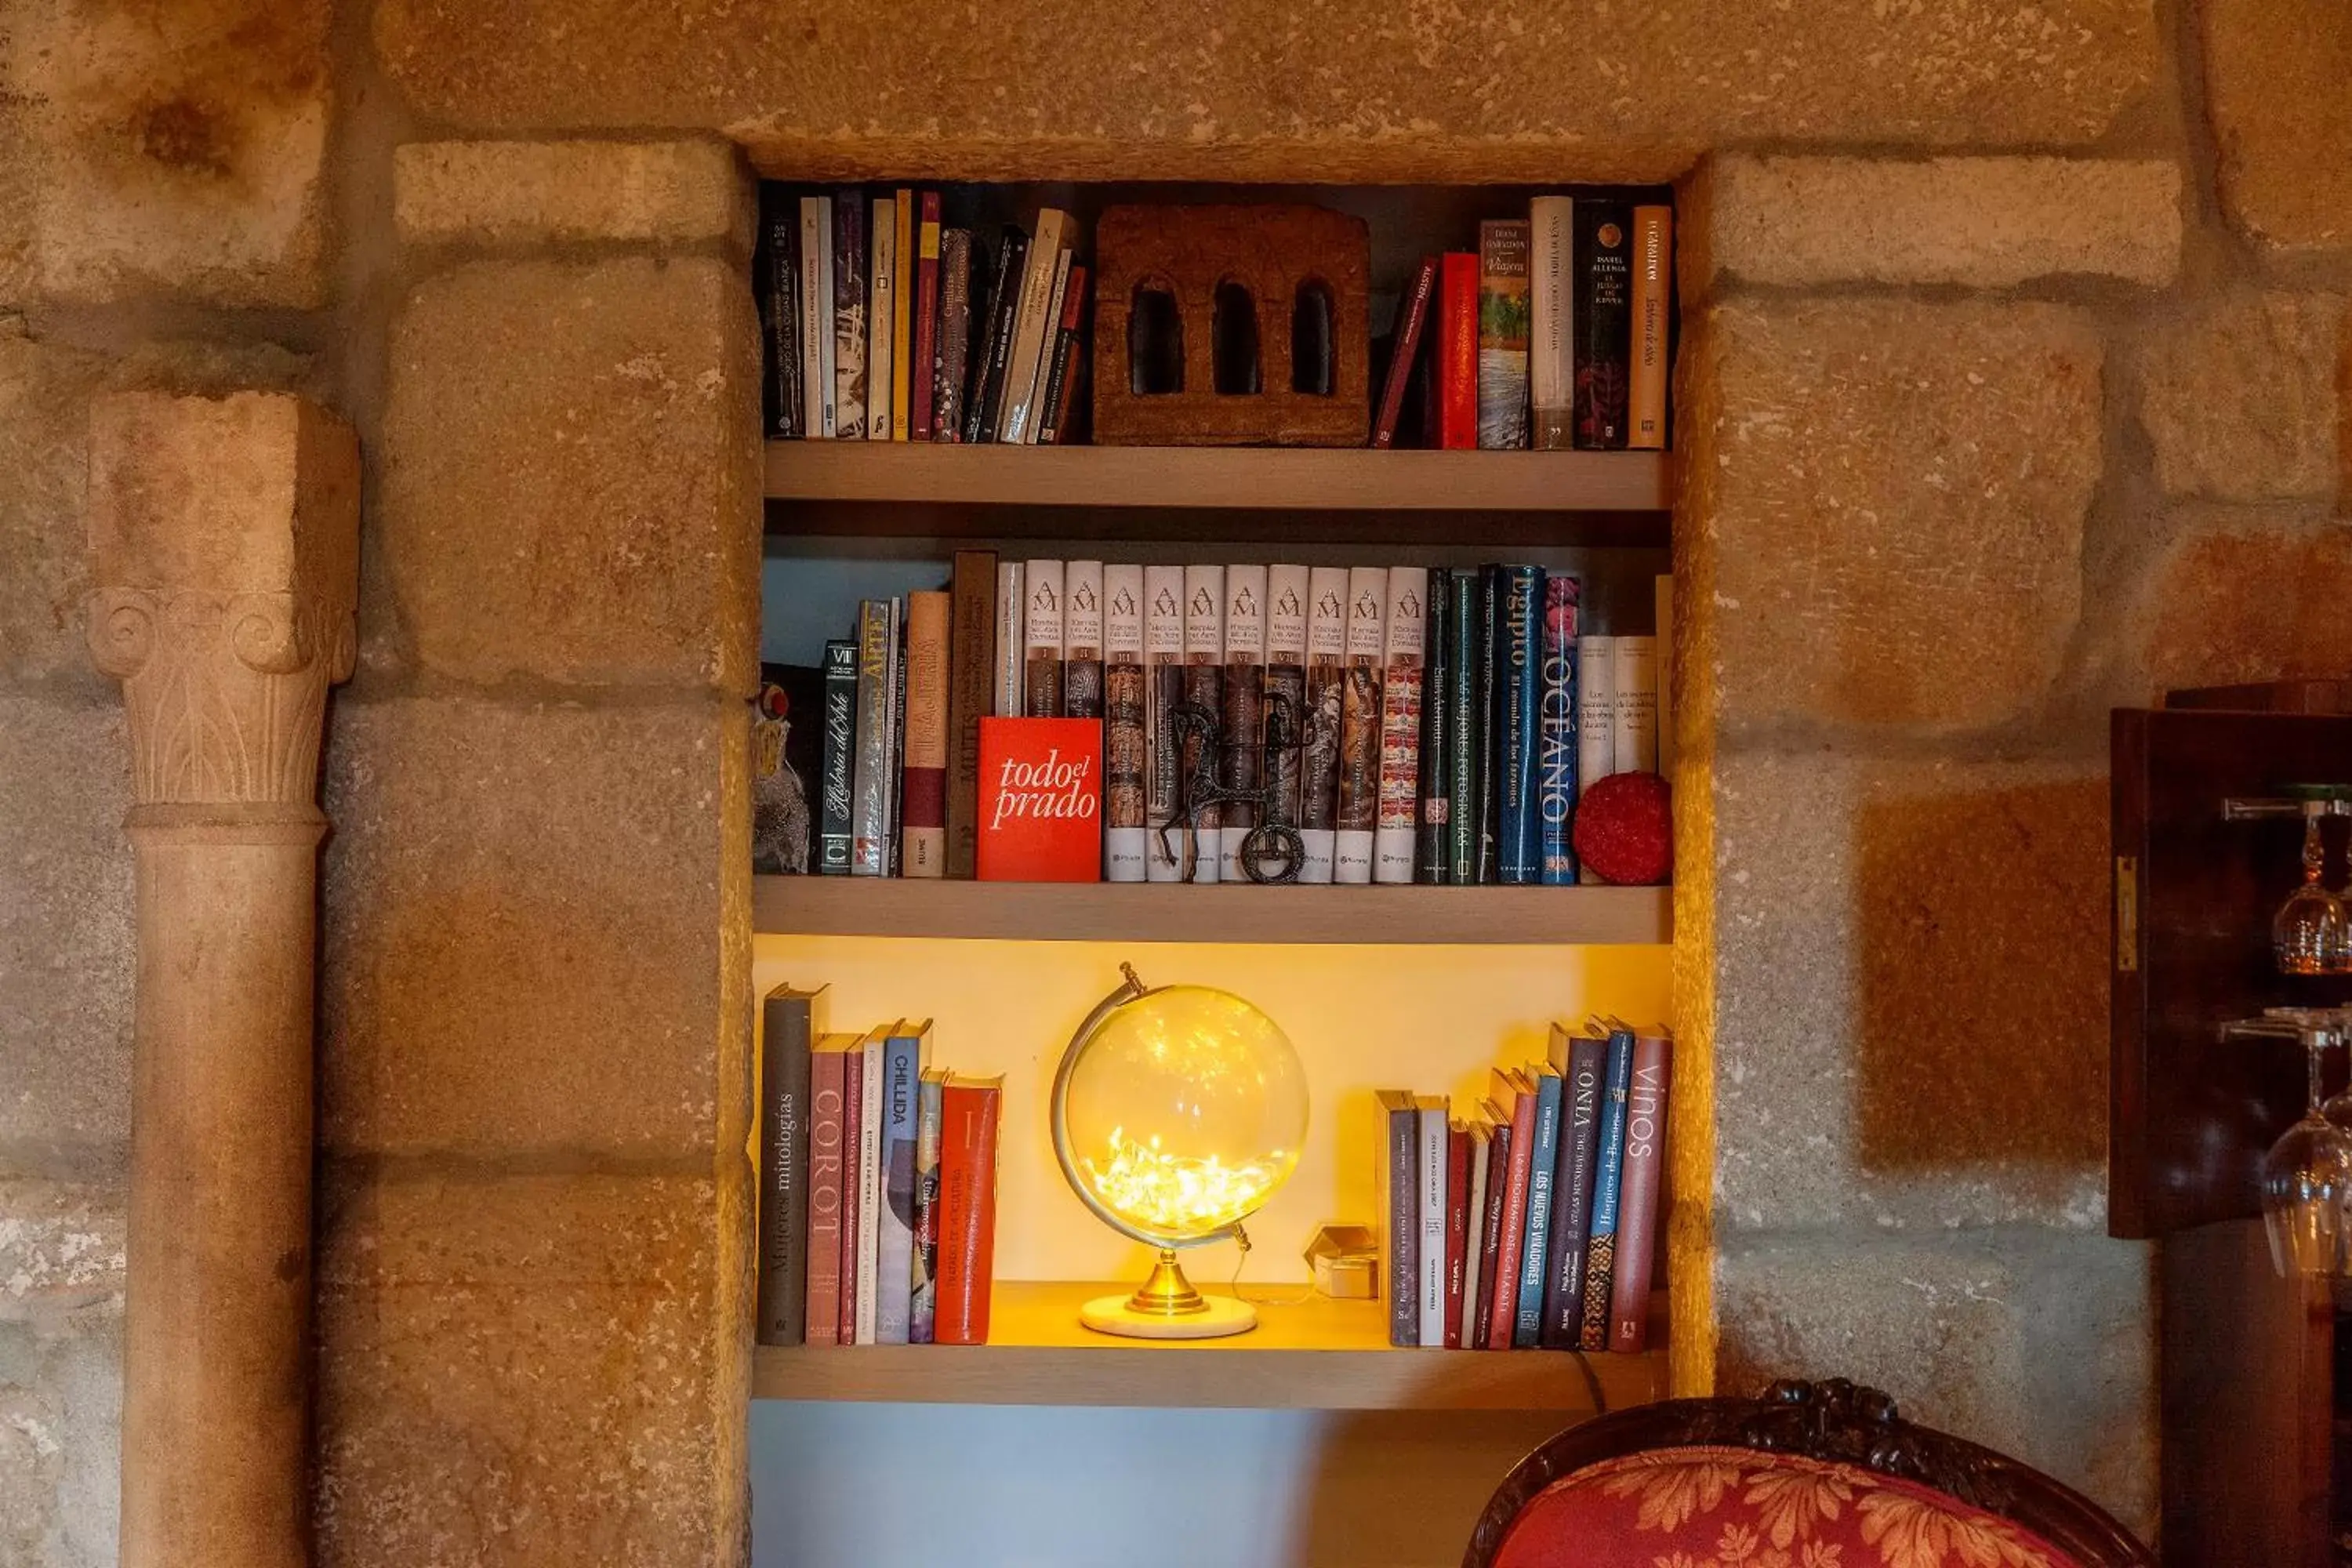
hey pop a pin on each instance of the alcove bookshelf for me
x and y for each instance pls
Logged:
(1603, 515)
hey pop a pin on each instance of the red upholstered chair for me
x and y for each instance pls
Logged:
(1810, 1476)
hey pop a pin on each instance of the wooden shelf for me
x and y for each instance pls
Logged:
(1316, 1355)
(1106, 911)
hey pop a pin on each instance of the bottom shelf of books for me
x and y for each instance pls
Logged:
(1309, 1352)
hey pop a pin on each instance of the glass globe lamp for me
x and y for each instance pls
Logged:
(1178, 1111)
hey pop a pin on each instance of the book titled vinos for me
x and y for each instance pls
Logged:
(1040, 800)
(1637, 1204)
(1357, 815)
(1125, 760)
(1400, 703)
(1503, 335)
(1244, 696)
(1327, 680)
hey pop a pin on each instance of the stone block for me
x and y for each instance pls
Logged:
(67, 955)
(521, 1371)
(1908, 990)
(2245, 594)
(61, 1250)
(572, 473)
(2274, 75)
(1234, 90)
(524, 908)
(60, 1445)
(2240, 398)
(2036, 1344)
(1885, 503)
(507, 193)
(1984, 222)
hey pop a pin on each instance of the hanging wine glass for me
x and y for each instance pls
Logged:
(2308, 935)
(2306, 1177)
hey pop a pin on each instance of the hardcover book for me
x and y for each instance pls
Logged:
(1062, 364)
(985, 405)
(1466, 723)
(1457, 1230)
(1040, 800)
(1396, 1171)
(830, 1147)
(924, 777)
(1455, 379)
(1126, 761)
(1527, 1330)
(1287, 590)
(904, 369)
(882, 321)
(952, 360)
(1637, 1204)
(1244, 696)
(1582, 1062)
(1163, 675)
(1503, 335)
(849, 315)
(1652, 350)
(853, 1184)
(877, 660)
(1490, 1227)
(818, 416)
(1491, 604)
(1596, 709)
(1431, 1157)
(923, 1296)
(1556, 739)
(969, 1109)
(1400, 704)
(894, 757)
(1041, 679)
(903, 1059)
(1608, 1170)
(1516, 1093)
(1033, 420)
(1412, 327)
(871, 1052)
(1357, 813)
(971, 634)
(1082, 639)
(1046, 253)
(777, 270)
(1009, 680)
(1605, 315)
(1327, 682)
(922, 365)
(1482, 1149)
(1551, 335)
(1517, 675)
(1634, 704)
(1429, 813)
(786, 1039)
(1202, 838)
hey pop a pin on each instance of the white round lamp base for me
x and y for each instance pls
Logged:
(1112, 1315)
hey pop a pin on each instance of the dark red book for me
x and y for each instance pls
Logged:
(1457, 1227)
(853, 1121)
(829, 1142)
(1455, 368)
(1490, 1237)
(925, 348)
(968, 1117)
(1062, 359)
(1637, 1204)
(1413, 312)
(1502, 1314)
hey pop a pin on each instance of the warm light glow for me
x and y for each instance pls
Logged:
(1178, 1194)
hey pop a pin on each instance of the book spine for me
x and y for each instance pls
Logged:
(1241, 747)
(905, 368)
(902, 1083)
(1125, 749)
(894, 752)
(1457, 1233)
(1356, 818)
(1634, 704)
(922, 365)
(968, 1117)
(1491, 603)
(1482, 1150)
(1596, 705)
(1503, 1311)
(1663, 598)
(872, 1187)
(984, 409)
(871, 803)
(1607, 1172)
(1429, 807)
(828, 1145)
(818, 412)
(1401, 702)
(849, 315)
(1327, 683)
(882, 322)
(1412, 315)
(783, 1169)
(1163, 674)
(1204, 680)
(1082, 639)
(778, 272)
(1465, 723)
(1527, 1330)
(1490, 1235)
(1503, 335)
(1034, 290)
(1604, 320)
(1054, 402)
(1519, 854)
(1651, 349)
(1431, 1155)
(1572, 1193)
(836, 803)
(1551, 294)
(1049, 335)
(1637, 1205)
(1457, 370)
(1404, 1220)
(971, 633)
(1287, 591)
(922, 1291)
(1555, 740)
(853, 1189)
(1041, 635)
(1010, 669)
(951, 360)
(924, 779)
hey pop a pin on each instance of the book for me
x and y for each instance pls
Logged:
(1034, 417)
(1240, 747)
(837, 793)
(1556, 739)
(882, 321)
(787, 768)
(1357, 815)
(787, 1035)
(830, 1146)
(1008, 685)
(1396, 1200)
(1457, 1231)
(1326, 681)
(1429, 807)
(849, 315)
(1465, 722)
(1596, 709)
(1398, 810)
(1047, 258)
(1519, 627)
(1202, 837)
(1583, 1061)
(923, 776)
(1473, 1217)
(1650, 353)
(1062, 363)
(853, 1185)
(971, 637)
(984, 405)
(1663, 598)
(1412, 315)
(922, 1294)
(776, 270)
(1634, 704)
(1641, 1173)
(1527, 1330)
(1082, 639)
(1490, 1227)
(906, 370)
(871, 1053)
(903, 1060)
(818, 414)
(895, 748)
(1551, 331)
(1286, 598)
(1604, 319)
(1163, 683)
(1040, 800)
(1503, 335)
(877, 656)
(923, 358)
(1608, 1169)
(1483, 802)
(1126, 762)
(951, 358)
(1041, 638)
(1518, 1095)
(1431, 1152)
(968, 1110)
(1454, 371)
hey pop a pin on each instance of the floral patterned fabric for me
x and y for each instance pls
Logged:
(1737, 1508)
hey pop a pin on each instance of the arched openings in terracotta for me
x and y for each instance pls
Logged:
(1234, 337)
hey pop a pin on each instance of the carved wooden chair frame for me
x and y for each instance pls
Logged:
(1836, 1421)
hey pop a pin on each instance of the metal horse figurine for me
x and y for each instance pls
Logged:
(1274, 851)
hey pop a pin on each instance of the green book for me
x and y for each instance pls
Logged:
(1465, 723)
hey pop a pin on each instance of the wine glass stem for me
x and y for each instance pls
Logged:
(2314, 1044)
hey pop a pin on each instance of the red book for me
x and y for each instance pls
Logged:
(1411, 315)
(1040, 816)
(853, 1120)
(1503, 1314)
(828, 1134)
(925, 348)
(1457, 1227)
(1490, 1239)
(1454, 371)
(967, 1205)
(1637, 1204)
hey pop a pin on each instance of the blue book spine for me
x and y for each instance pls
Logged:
(1600, 1247)
(1526, 1324)
(1517, 690)
(1556, 735)
(894, 1261)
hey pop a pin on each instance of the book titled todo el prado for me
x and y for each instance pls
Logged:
(1040, 816)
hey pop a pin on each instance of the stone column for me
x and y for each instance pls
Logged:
(223, 539)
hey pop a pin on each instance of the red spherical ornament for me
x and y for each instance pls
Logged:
(1625, 829)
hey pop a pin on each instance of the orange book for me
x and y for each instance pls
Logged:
(1653, 286)
(967, 1207)
(1454, 372)
(1040, 816)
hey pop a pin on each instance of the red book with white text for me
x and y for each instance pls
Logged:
(1413, 317)
(1502, 1314)
(969, 1109)
(1455, 368)
(828, 1145)
(925, 348)
(1637, 1187)
(1040, 815)
(1457, 1227)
